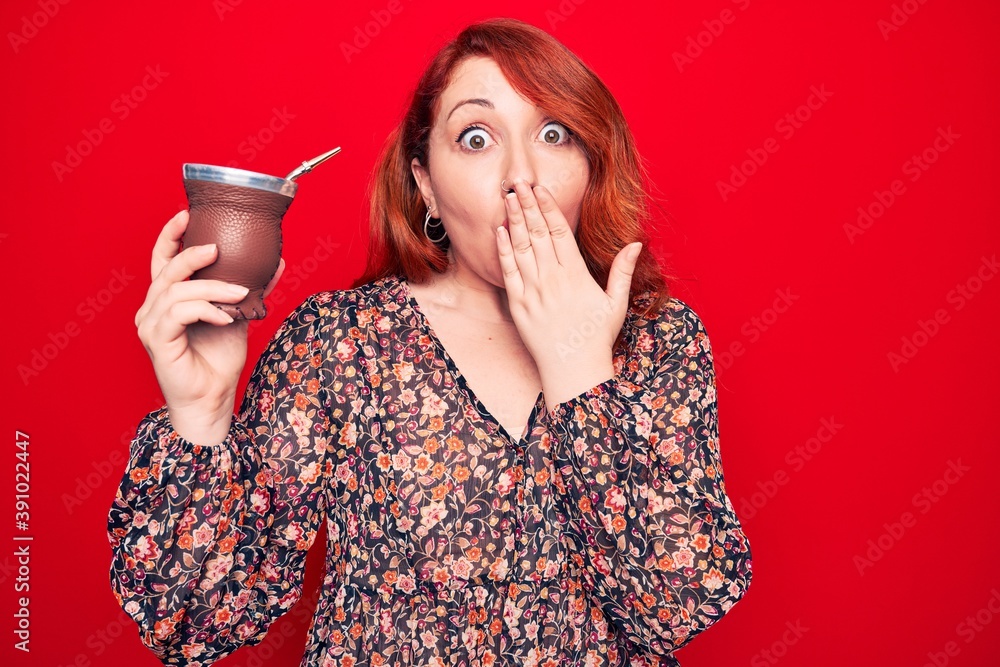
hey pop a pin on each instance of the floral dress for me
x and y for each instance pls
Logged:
(604, 537)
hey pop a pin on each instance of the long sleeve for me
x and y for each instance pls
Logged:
(643, 488)
(209, 541)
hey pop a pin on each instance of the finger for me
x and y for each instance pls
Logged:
(183, 265)
(177, 269)
(183, 314)
(620, 276)
(537, 226)
(168, 243)
(190, 290)
(562, 240)
(274, 280)
(524, 253)
(508, 265)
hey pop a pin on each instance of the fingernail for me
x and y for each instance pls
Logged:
(238, 290)
(634, 251)
(208, 249)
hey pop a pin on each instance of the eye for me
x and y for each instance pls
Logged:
(553, 130)
(477, 138)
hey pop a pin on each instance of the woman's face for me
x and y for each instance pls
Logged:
(486, 132)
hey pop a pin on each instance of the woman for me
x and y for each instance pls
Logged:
(515, 464)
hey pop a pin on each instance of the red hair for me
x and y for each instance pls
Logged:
(614, 207)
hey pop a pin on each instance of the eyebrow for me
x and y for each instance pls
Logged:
(476, 100)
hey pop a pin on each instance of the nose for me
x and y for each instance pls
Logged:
(518, 166)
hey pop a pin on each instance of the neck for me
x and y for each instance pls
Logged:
(463, 290)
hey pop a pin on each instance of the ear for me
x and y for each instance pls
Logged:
(423, 179)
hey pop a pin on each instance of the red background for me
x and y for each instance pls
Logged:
(225, 67)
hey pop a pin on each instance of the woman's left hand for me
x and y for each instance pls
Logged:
(567, 321)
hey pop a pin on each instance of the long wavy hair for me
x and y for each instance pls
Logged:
(614, 211)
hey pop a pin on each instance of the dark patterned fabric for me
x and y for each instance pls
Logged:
(604, 537)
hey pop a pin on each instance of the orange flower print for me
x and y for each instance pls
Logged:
(163, 628)
(226, 544)
(310, 473)
(403, 372)
(423, 463)
(681, 415)
(713, 579)
(346, 350)
(193, 650)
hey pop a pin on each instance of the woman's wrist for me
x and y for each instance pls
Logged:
(200, 426)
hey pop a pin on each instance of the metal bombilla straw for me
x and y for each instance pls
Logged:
(309, 165)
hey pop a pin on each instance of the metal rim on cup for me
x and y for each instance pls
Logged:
(242, 177)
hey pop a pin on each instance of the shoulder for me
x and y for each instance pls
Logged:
(674, 329)
(333, 310)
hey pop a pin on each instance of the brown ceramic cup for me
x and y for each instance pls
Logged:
(241, 212)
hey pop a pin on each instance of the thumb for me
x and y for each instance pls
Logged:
(620, 276)
(274, 279)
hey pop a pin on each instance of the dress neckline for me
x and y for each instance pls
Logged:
(404, 289)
